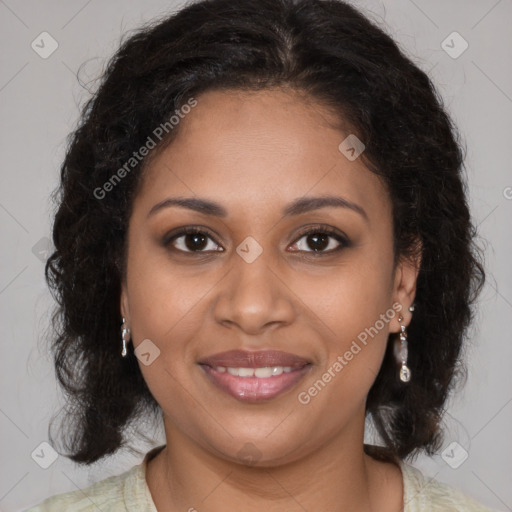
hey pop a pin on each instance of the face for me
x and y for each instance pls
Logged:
(305, 290)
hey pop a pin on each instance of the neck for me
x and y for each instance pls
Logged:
(335, 476)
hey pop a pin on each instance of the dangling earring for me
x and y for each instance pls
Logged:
(401, 353)
(125, 336)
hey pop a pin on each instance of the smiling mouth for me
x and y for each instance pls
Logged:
(255, 384)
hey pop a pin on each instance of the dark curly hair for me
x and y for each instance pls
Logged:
(335, 55)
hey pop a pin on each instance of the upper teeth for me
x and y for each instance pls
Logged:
(265, 372)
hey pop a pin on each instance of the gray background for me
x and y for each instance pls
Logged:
(39, 101)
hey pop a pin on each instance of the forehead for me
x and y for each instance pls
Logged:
(252, 150)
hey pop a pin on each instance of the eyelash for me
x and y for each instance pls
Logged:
(318, 229)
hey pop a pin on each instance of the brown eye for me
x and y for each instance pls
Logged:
(192, 240)
(323, 240)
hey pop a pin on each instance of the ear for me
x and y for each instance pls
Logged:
(404, 286)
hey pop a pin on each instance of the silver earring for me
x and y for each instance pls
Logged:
(125, 336)
(401, 353)
(411, 308)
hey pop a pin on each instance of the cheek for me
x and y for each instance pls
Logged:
(353, 309)
(162, 298)
(167, 306)
(349, 297)
(353, 360)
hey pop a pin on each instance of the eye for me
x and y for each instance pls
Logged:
(321, 239)
(192, 240)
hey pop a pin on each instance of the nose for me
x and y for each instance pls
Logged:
(254, 297)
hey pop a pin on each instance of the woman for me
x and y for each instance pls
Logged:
(262, 239)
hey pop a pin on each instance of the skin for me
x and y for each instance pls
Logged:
(254, 153)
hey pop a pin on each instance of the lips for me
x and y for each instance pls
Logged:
(260, 359)
(254, 389)
(255, 376)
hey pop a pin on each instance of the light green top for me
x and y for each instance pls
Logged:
(128, 492)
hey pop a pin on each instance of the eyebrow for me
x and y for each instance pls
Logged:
(297, 207)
